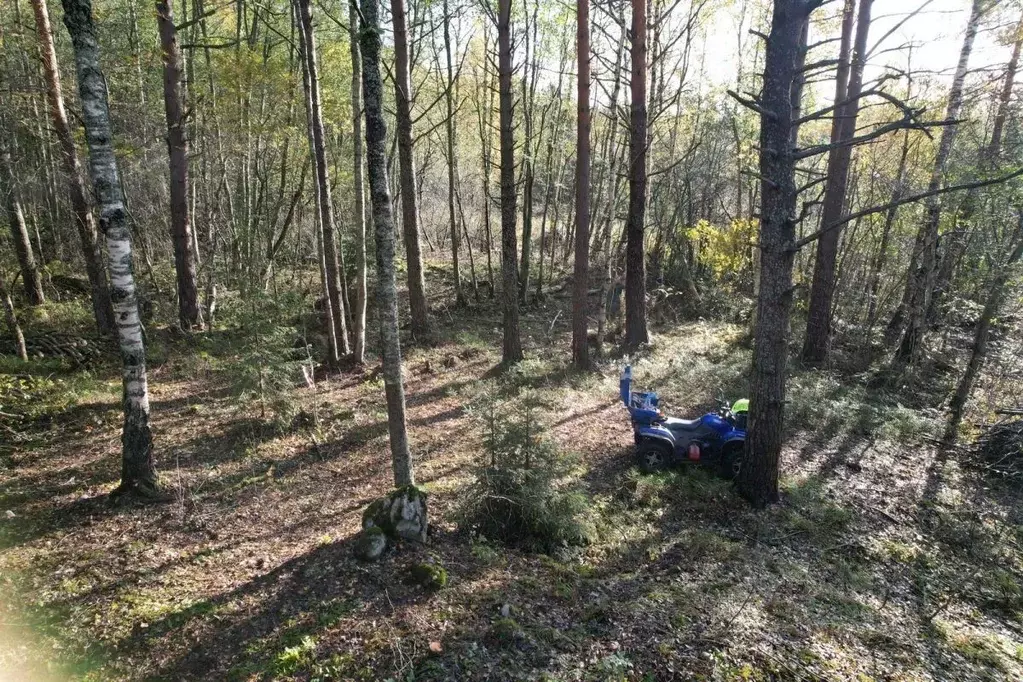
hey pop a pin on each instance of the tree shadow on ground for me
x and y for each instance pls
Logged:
(282, 622)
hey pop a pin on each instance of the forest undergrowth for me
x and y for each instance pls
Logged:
(885, 561)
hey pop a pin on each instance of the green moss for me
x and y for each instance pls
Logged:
(430, 576)
(505, 631)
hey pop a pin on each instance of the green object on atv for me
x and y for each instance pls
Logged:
(740, 405)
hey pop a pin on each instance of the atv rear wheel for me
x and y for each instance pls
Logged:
(731, 462)
(652, 456)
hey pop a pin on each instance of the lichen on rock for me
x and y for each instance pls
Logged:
(400, 514)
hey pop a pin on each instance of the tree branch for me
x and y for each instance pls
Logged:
(905, 200)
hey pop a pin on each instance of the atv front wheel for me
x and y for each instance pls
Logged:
(652, 456)
(731, 463)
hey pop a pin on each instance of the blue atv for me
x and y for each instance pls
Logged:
(716, 439)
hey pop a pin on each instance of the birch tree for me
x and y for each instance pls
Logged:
(138, 472)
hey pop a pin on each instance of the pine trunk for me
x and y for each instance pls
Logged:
(822, 291)
(758, 477)
(84, 222)
(635, 258)
(138, 472)
(189, 314)
(383, 227)
(418, 306)
(512, 351)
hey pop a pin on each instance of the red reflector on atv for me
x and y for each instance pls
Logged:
(694, 451)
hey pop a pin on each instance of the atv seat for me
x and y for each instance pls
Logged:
(674, 424)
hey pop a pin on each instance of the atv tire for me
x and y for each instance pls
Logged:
(731, 462)
(652, 456)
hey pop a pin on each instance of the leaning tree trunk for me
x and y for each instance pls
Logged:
(957, 240)
(512, 351)
(358, 182)
(418, 306)
(383, 226)
(319, 152)
(31, 280)
(635, 258)
(978, 353)
(758, 477)
(93, 254)
(12, 320)
(189, 314)
(138, 473)
(822, 291)
(922, 268)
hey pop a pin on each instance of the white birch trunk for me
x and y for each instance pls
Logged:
(138, 474)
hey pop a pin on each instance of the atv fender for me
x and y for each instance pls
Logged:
(656, 434)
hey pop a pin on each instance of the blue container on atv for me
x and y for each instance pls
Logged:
(716, 439)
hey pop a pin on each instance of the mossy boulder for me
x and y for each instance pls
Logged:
(371, 543)
(399, 514)
(430, 576)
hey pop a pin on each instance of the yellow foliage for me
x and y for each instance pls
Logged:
(726, 249)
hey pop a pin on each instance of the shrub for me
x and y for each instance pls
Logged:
(520, 494)
(267, 360)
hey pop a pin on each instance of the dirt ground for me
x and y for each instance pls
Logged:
(885, 561)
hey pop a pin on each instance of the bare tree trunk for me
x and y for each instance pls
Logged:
(485, 121)
(580, 278)
(12, 320)
(93, 254)
(886, 232)
(822, 292)
(920, 282)
(31, 280)
(978, 352)
(319, 152)
(334, 353)
(635, 257)
(409, 216)
(512, 351)
(359, 315)
(528, 176)
(189, 314)
(383, 225)
(468, 243)
(138, 473)
(449, 124)
(758, 477)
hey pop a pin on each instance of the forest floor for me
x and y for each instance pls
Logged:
(885, 561)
